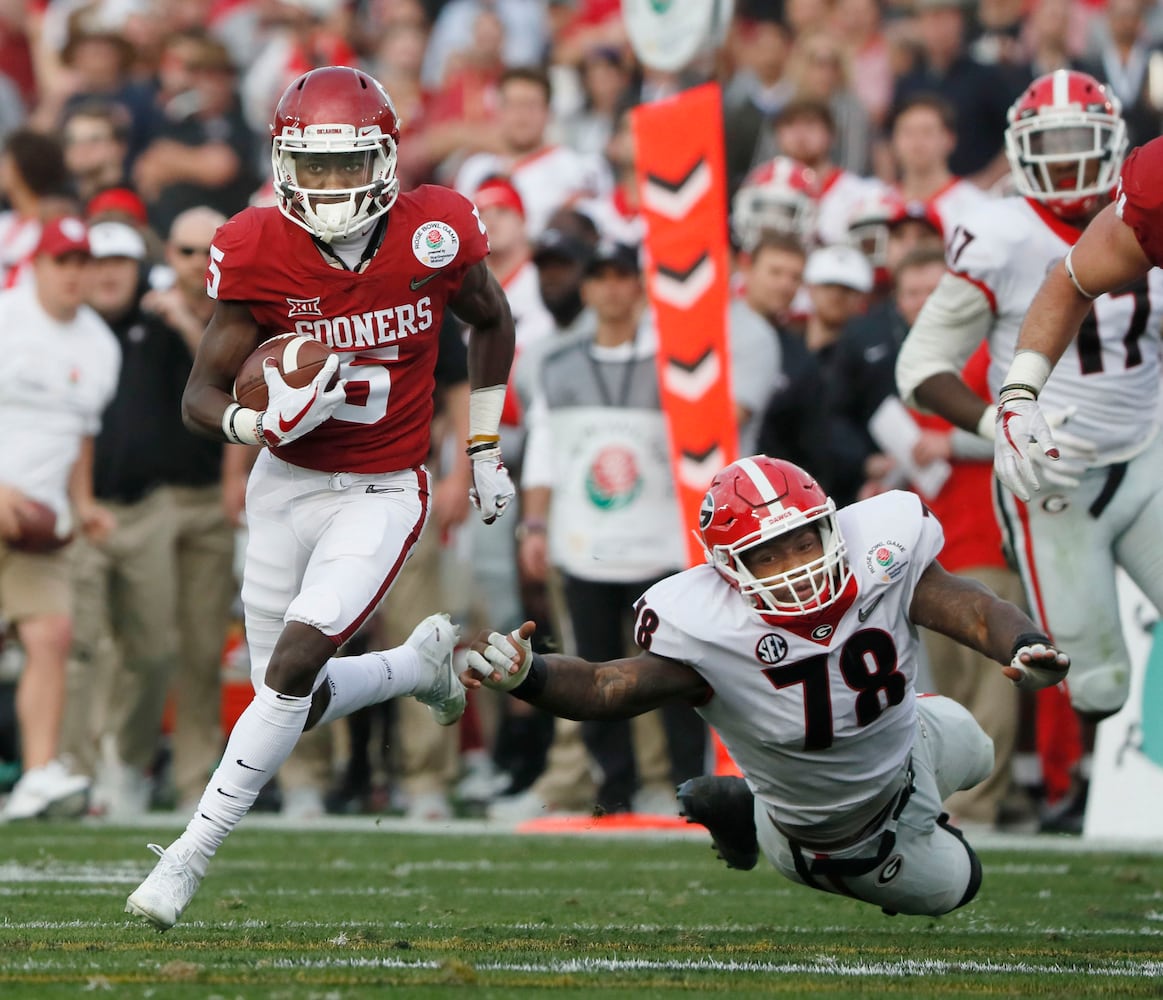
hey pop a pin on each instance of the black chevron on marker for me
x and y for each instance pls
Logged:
(672, 186)
(675, 274)
(699, 456)
(690, 366)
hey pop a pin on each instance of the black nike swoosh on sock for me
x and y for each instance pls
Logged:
(247, 766)
(227, 794)
(285, 697)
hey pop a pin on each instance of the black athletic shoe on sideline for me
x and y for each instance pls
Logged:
(725, 806)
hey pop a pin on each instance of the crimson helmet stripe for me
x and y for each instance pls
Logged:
(762, 484)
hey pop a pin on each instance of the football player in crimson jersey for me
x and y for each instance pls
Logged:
(1102, 500)
(796, 641)
(339, 497)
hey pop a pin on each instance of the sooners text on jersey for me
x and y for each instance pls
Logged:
(383, 322)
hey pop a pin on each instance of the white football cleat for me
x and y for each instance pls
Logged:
(46, 791)
(434, 640)
(167, 890)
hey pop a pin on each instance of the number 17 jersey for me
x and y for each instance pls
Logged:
(819, 714)
(1109, 377)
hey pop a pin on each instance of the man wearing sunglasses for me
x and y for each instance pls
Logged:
(161, 584)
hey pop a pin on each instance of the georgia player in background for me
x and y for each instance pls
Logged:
(339, 496)
(1119, 248)
(797, 642)
(778, 196)
(1103, 504)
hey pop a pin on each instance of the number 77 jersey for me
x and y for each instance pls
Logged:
(819, 713)
(1109, 378)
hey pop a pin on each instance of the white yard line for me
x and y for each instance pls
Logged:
(1118, 968)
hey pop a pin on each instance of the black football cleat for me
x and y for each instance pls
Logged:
(726, 807)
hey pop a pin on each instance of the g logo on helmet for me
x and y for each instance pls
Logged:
(706, 512)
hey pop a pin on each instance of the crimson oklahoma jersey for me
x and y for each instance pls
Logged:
(1139, 201)
(384, 323)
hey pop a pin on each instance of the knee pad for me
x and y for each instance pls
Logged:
(1099, 690)
(975, 872)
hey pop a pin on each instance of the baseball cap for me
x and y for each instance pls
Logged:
(619, 255)
(116, 239)
(121, 200)
(557, 244)
(63, 236)
(499, 192)
(839, 265)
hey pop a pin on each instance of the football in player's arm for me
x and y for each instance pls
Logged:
(339, 496)
(797, 643)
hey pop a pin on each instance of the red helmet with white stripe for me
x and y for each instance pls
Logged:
(1066, 141)
(780, 196)
(758, 499)
(335, 119)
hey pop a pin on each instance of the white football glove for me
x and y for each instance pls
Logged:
(492, 490)
(1020, 425)
(1037, 665)
(1075, 456)
(1051, 454)
(499, 655)
(291, 412)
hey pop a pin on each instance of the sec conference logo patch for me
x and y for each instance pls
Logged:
(435, 244)
(771, 648)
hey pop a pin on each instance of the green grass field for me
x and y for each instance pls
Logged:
(356, 909)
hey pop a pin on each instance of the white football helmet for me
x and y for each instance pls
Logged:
(780, 196)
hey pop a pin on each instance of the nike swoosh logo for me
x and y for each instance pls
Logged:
(384, 489)
(1005, 429)
(417, 283)
(227, 794)
(865, 611)
(247, 766)
(287, 425)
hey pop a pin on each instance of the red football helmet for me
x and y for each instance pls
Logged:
(1066, 141)
(341, 113)
(779, 195)
(756, 499)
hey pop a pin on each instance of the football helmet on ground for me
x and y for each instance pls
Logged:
(756, 500)
(1066, 141)
(333, 151)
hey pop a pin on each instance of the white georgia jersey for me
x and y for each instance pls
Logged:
(546, 180)
(956, 202)
(1110, 375)
(820, 717)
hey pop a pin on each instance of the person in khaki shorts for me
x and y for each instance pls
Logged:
(153, 599)
(60, 367)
